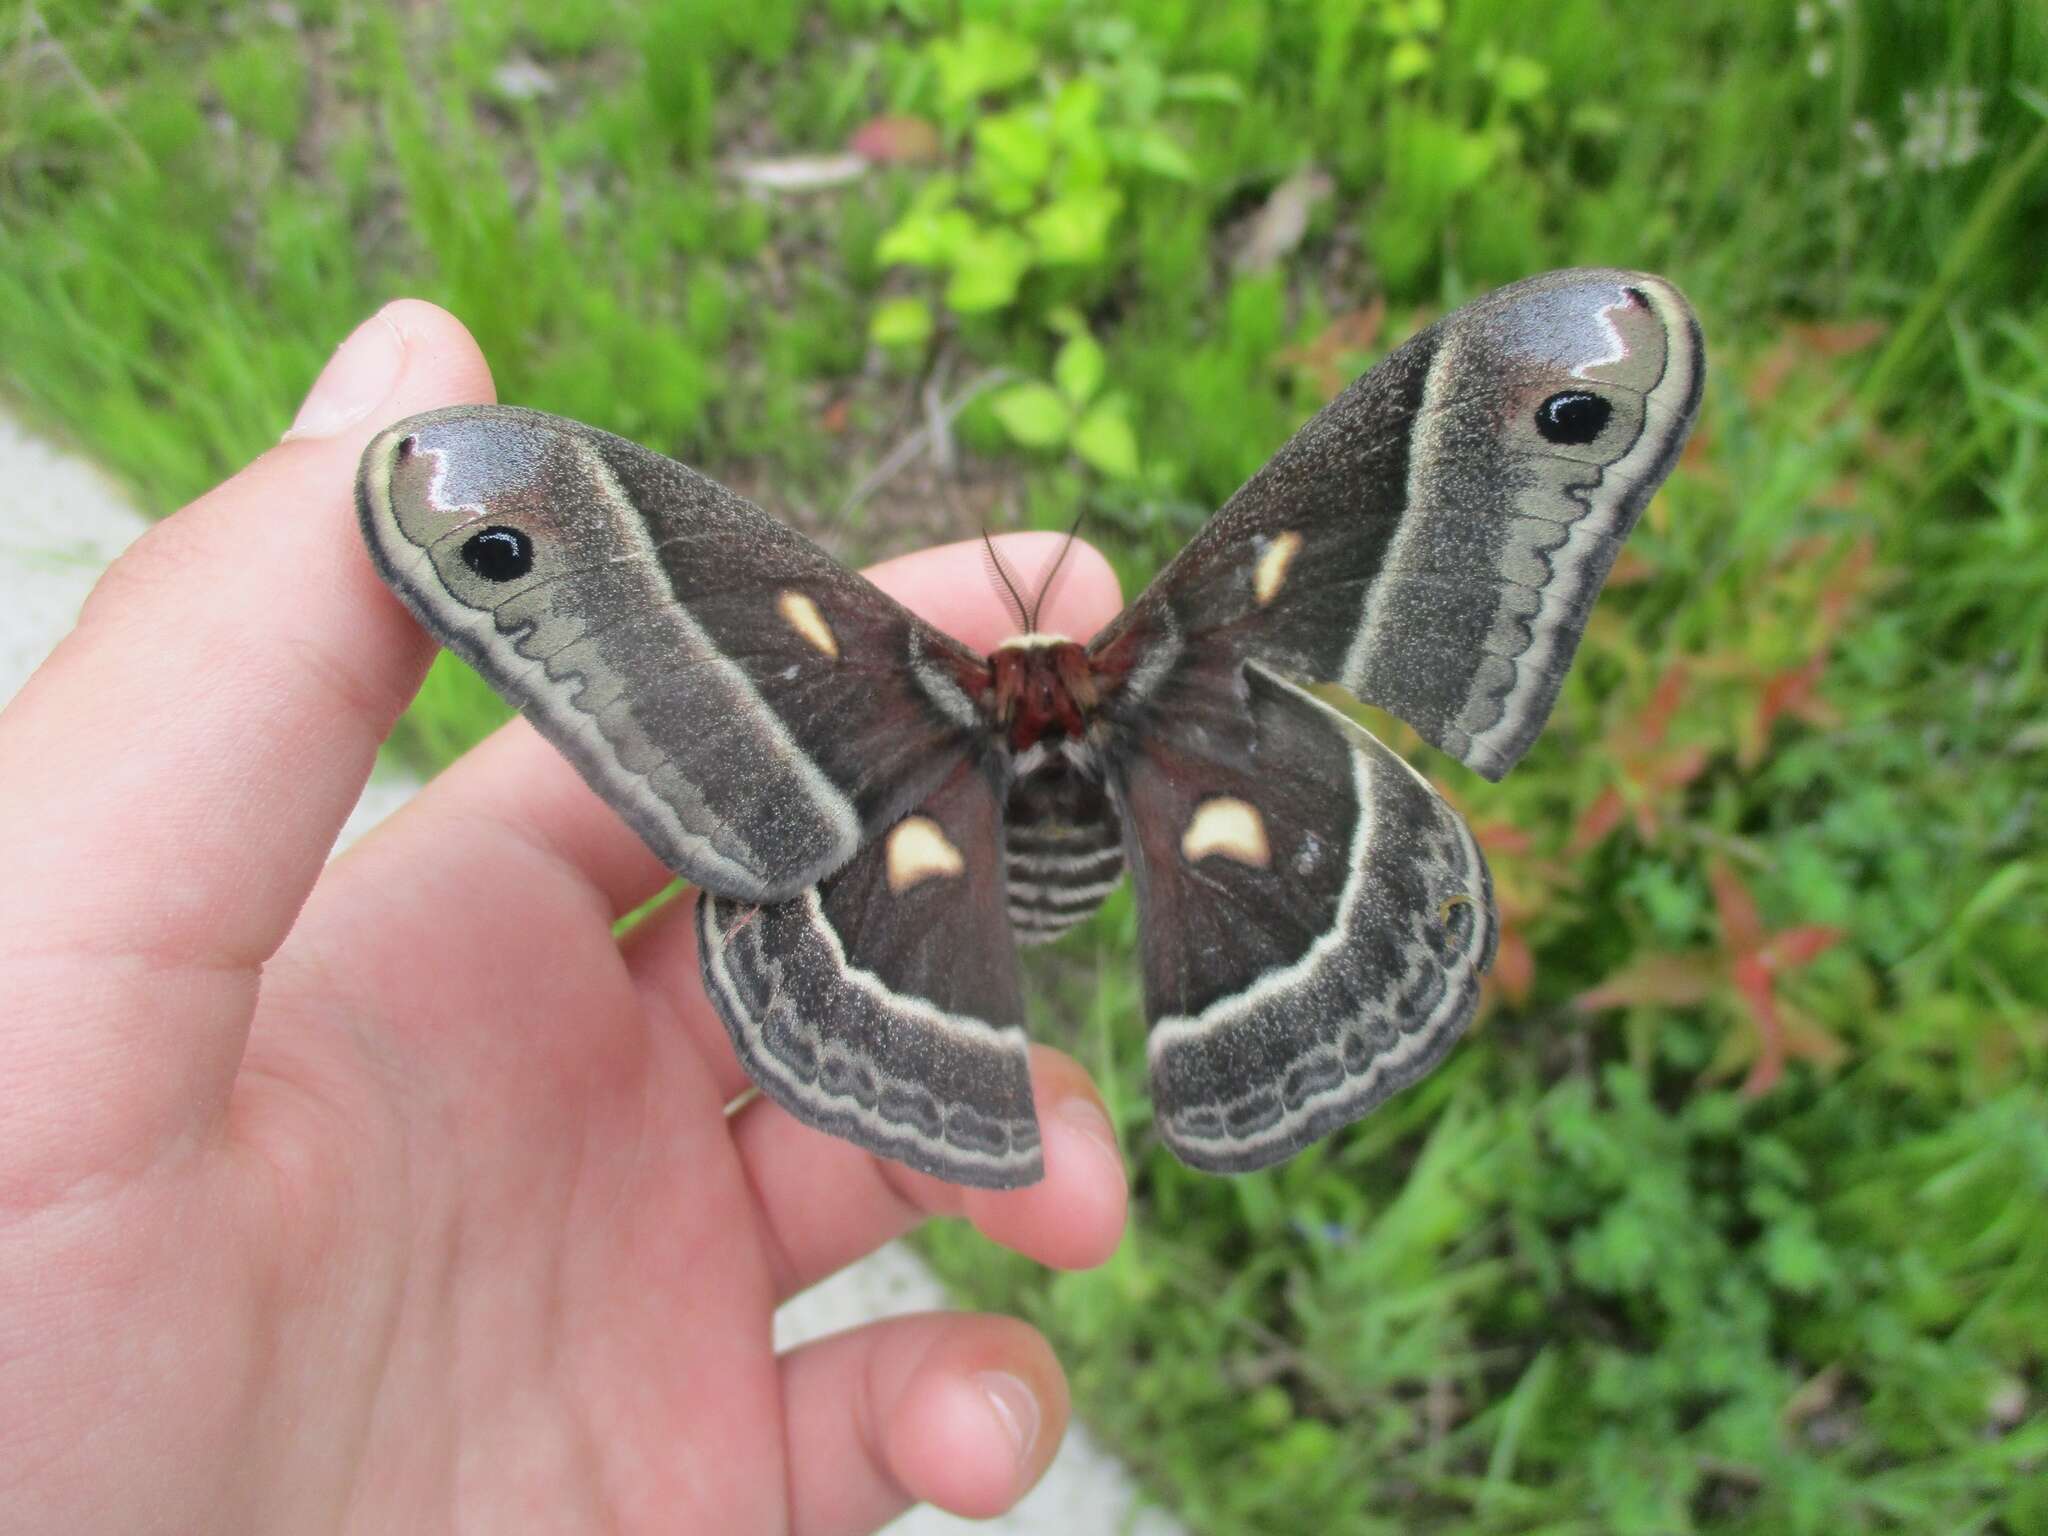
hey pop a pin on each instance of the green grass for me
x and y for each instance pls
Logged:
(1580, 1281)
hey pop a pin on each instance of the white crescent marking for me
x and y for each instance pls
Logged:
(919, 850)
(1271, 570)
(1228, 828)
(802, 616)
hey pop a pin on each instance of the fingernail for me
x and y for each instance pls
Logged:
(1015, 1408)
(1086, 1116)
(354, 382)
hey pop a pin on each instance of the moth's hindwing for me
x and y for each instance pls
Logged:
(1314, 921)
(883, 1005)
(1434, 539)
(754, 711)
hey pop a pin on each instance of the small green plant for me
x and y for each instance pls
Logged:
(1050, 159)
(1043, 188)
(1072, 411)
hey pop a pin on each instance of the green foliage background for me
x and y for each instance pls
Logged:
(1753, 1239)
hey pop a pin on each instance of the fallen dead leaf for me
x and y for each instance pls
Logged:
(1276, 229)
(896, 139)
(1331, 359)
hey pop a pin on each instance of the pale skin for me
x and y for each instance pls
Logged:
(394, 1193)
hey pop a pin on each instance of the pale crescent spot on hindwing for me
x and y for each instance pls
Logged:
(1228, 827)
(919, 850)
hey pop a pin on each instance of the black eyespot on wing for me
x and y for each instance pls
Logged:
(1573, 416)
(407, 447)
(499, 554)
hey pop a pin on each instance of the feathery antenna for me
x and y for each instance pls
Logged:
(1053, 570)
(1004, 579)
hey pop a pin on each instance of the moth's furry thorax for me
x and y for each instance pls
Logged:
(1039, 686)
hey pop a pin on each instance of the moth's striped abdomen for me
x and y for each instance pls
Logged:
(1062, 849)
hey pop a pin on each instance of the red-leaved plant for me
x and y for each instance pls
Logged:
(1741, 973)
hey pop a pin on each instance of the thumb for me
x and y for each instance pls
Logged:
(172, 777)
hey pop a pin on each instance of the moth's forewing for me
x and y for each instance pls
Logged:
(754, 710)
(1434, 538)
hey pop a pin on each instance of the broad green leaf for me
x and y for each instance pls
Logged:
(981, 60)
(1157, 151)
(1472, 156)
(1409, 60)
(1084, 166)
(1106, 36)
(1291, 1453)
(1073, 230)
(1078, 117)
(1140, 87)
(1405, 18)
(1795, 1257)
(1596, 120)
(901, 323)
(987, 271)
(1065, 320)
(1079, 368)
(1104, 439)
(1520, 79)
(926, 239)
(934, 194)
(1076, 111)
(1012, 158)
(1033, 414)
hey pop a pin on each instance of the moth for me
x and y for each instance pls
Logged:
(877, 815)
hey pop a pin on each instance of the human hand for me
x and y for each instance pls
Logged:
(398, 1195)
